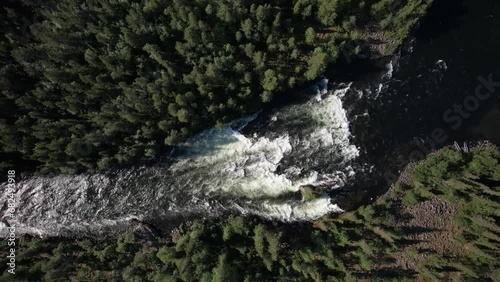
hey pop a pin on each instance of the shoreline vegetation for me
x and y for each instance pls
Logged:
(438, 222)
(91, 85)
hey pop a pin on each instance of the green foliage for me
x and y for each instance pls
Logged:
(398, 23)
(366, 212)
(310, 35)
(109, 84)
(235, 226)
(413, 253)
(410, 198)
(224, 271)
(460, 179)
(364, 261)
(438, 167)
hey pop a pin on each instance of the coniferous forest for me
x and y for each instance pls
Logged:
(92, 85)
(89, 85)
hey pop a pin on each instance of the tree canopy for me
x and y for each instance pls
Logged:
(90, 84)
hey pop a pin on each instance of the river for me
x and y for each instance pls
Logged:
(344, 138)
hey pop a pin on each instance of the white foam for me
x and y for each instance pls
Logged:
(390, 70)
(442, 64)
(256, 174)
(307, 210)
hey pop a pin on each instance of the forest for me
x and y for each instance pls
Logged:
(92, 84)
(378, 242)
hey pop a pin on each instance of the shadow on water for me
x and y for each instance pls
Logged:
(436, 24)
(457, 42)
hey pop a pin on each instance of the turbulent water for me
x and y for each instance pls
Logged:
(255, 165)
(339, 138)
(214, 172)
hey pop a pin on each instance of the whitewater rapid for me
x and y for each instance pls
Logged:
(217, 171)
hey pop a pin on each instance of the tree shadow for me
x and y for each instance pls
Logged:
(408, 242)
(410, 230)
(395, 272)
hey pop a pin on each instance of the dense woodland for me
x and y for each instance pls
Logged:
(88, 85)
(361, 244)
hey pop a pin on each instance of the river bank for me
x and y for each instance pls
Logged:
(438, 222)
(344, 138)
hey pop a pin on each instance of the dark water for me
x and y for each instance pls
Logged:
(349, 141)
(456, 43)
